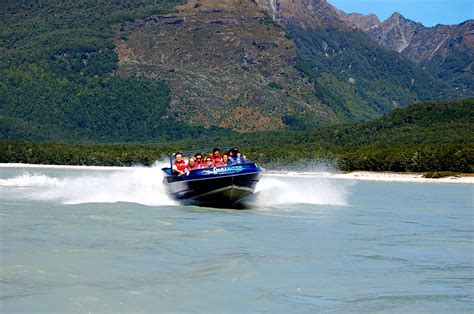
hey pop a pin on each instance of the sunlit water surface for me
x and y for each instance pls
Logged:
(111, 240)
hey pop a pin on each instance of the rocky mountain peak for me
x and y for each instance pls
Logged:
(443, 50)
(305, 13)
(361, 21)
(398, 20)
(396, 17)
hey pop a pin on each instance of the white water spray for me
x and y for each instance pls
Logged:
(275, 190)
(143, 185)
(135, 185)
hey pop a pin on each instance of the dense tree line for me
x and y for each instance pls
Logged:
(444, 122)
(434, 136)
(455, 158)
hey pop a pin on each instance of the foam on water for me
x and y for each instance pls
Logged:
(304, 184)
(278, 190)
(30, 180)
(138, 185)
(145, 186)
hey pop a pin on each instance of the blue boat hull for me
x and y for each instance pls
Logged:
(217, 187)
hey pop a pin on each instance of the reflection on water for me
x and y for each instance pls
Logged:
(110, 241)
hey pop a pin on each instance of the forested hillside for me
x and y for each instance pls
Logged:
(423, 137)
(56, 77)
(445, 122)
(160, 70)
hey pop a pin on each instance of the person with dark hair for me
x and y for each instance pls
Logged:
(235, 157)
(179, 165)
(199, 160)
(231, 151)
(216, 156)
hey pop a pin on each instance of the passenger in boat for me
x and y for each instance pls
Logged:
(225, 160)
(220, 163)
(179, 164)
(208, 164)
(199, 159)
(235, 157)
(216, 155)
(192, 164)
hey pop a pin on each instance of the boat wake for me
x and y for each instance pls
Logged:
(281, 190)
(135, 185)
(145, 186)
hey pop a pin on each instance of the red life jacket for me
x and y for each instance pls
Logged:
(180, 165)
(199, 162)
(205, 166)
(196, 166)
(219, 164)
(214, 159)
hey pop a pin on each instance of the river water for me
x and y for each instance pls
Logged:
(112, 241)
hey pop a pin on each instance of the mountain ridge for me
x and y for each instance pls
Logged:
(168, 69)
(443, 50)
(353, 74)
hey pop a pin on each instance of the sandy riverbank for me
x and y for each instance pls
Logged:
(356, 175)
(379, 176)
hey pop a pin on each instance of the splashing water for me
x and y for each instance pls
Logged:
(143, 185)
(28, 180)
(304, 184)
(135, 185)
(280, 190)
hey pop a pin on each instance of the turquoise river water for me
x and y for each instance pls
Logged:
(75, 240)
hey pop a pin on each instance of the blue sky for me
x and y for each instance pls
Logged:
(428, 12)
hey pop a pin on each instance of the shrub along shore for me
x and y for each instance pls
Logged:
(419, 158)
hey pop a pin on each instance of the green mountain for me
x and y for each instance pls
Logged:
(361, 80)
(120, 71)
(57, 73)
(226, 64)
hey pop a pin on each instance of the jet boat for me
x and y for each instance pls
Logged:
(224, 186)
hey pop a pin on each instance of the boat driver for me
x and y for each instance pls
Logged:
(179, 164)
